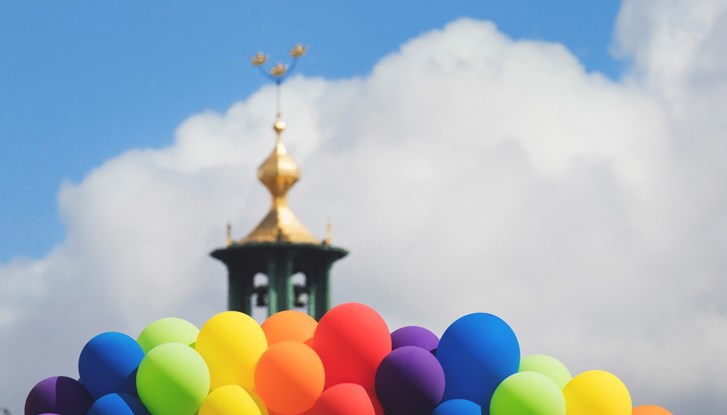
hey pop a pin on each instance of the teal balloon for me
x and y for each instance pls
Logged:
(173, 379)
(528, 393)
(547, 365)
(167, 330)
(457, 407)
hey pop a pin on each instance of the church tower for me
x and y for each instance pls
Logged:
(280, 246)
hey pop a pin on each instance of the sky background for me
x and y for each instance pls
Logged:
(82, 81)
(559, 164)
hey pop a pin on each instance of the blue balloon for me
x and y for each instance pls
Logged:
(118, 404)
(108, 364)
(477, 352)
(458, 407)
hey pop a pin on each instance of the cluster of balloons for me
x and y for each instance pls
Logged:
(346, 364)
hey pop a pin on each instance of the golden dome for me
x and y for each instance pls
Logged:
(279, 173)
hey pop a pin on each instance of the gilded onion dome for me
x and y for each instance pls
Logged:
(279, 173)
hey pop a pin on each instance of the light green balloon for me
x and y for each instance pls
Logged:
(167, 330)
(527, 393)
(173, 379)
(547, 365)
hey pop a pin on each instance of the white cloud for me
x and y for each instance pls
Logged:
(468, 172)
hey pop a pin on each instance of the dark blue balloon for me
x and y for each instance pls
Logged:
(458, 407)
(477, 352)
(108, 364)
(118, 404)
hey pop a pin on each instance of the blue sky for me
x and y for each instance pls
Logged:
(83, 81)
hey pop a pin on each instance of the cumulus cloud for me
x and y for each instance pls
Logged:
(467, 172)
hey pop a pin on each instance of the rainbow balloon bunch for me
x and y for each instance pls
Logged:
(346, 364)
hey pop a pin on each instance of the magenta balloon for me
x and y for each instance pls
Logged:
(58, 394)
(414, 336)
(409, 381)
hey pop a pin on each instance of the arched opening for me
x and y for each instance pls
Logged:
(300, 292)
(260, 297)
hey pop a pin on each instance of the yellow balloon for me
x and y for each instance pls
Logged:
(231, 343)
(229, 400)
(596, 392)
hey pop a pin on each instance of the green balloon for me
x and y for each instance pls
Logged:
(173, 379)
(527, 393)
(167, 330)
(547, 365)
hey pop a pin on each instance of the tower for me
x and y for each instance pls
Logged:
(280, 246)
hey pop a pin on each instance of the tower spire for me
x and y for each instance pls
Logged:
(280, 246)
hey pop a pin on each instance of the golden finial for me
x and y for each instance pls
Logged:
(279, 125)
(279, 70)
(229, 234)
(259, 59)
(297, 51)
(329, 229)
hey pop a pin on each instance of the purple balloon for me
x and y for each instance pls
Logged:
(58, 394)
(414, 336)
(409, 381)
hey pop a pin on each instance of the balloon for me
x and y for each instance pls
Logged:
(289, 325)
(118, 404)
(289, 377)
(259, 402)
(108, 364)
(548, 366)
(229, 400)
(457, 407)
(527, 393)
(58, 394)
(650, 410)
(351, 340)
(167, 330)
(231, 343)
(409, 380)
(414, 336)
(597, 392)
(173, 380)
(343, 399)
(378, 409)
(477, 352)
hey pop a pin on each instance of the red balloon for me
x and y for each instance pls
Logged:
(378, 408)
(343, 399)
(351, 340)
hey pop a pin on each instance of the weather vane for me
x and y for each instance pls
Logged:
(280, 71)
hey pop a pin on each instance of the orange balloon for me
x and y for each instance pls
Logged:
(650, 410)
(351, 340)
(289, 325)
(289, 378)
(344, 399)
